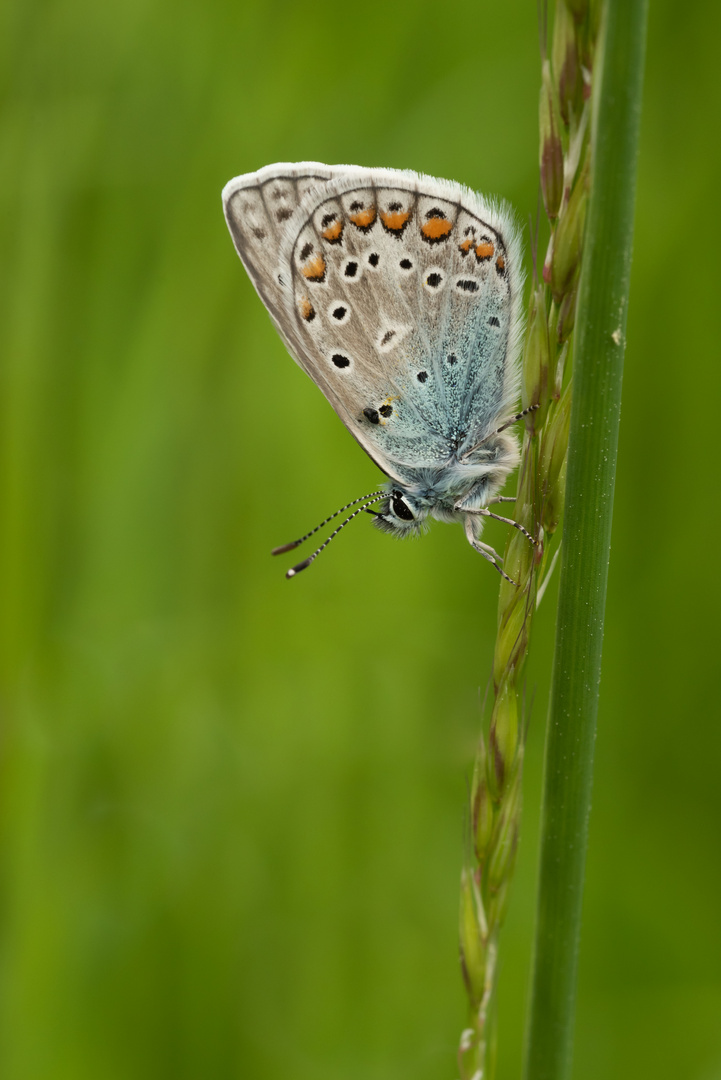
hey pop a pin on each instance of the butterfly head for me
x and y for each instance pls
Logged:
(401, 514)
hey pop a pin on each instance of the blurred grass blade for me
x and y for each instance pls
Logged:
(598, 370)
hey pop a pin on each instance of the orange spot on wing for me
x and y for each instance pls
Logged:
(334, 230)
(484, 250)
(395, 219)
(364, 218)
(314, 269)
(436, 228)
(306, 309)
(500, 264)
(467, 244)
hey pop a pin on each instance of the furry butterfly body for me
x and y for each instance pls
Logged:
(400, 296)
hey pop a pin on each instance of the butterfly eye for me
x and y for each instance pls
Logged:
(401, 509)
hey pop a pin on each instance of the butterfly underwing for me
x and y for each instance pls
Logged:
(400, 296)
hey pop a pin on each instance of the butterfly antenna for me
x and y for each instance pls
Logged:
(361, 509)
(374, 496)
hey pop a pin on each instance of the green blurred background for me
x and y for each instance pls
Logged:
(231, 807)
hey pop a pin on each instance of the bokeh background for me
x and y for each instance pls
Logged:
(232, 807)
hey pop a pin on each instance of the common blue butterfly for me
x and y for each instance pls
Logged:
(400, 296)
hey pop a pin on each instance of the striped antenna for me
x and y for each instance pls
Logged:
(361, 509)
(374, 496)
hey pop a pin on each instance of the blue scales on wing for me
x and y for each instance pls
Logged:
(405, 295)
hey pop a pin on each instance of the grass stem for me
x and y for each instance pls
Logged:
(598, 369)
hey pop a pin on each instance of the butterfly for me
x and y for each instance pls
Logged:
(400, 296)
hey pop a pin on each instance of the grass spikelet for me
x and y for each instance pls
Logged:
(546, 381)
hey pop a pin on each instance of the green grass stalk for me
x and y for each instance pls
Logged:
(591, 469)
(546, 384)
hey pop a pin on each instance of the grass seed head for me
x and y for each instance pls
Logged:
(534, 376)
(566, 63)
(568, 239)
(501, 863)
(482, 817)
(551, 146)
(503, 738)
(473, 934)
(567, 313)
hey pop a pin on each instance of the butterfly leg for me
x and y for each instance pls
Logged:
(483, 512)
(488, 553)
(513, 419)
(485, 549)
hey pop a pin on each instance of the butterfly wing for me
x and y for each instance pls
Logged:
(260, 209)
(257, 209)
(397, 293)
